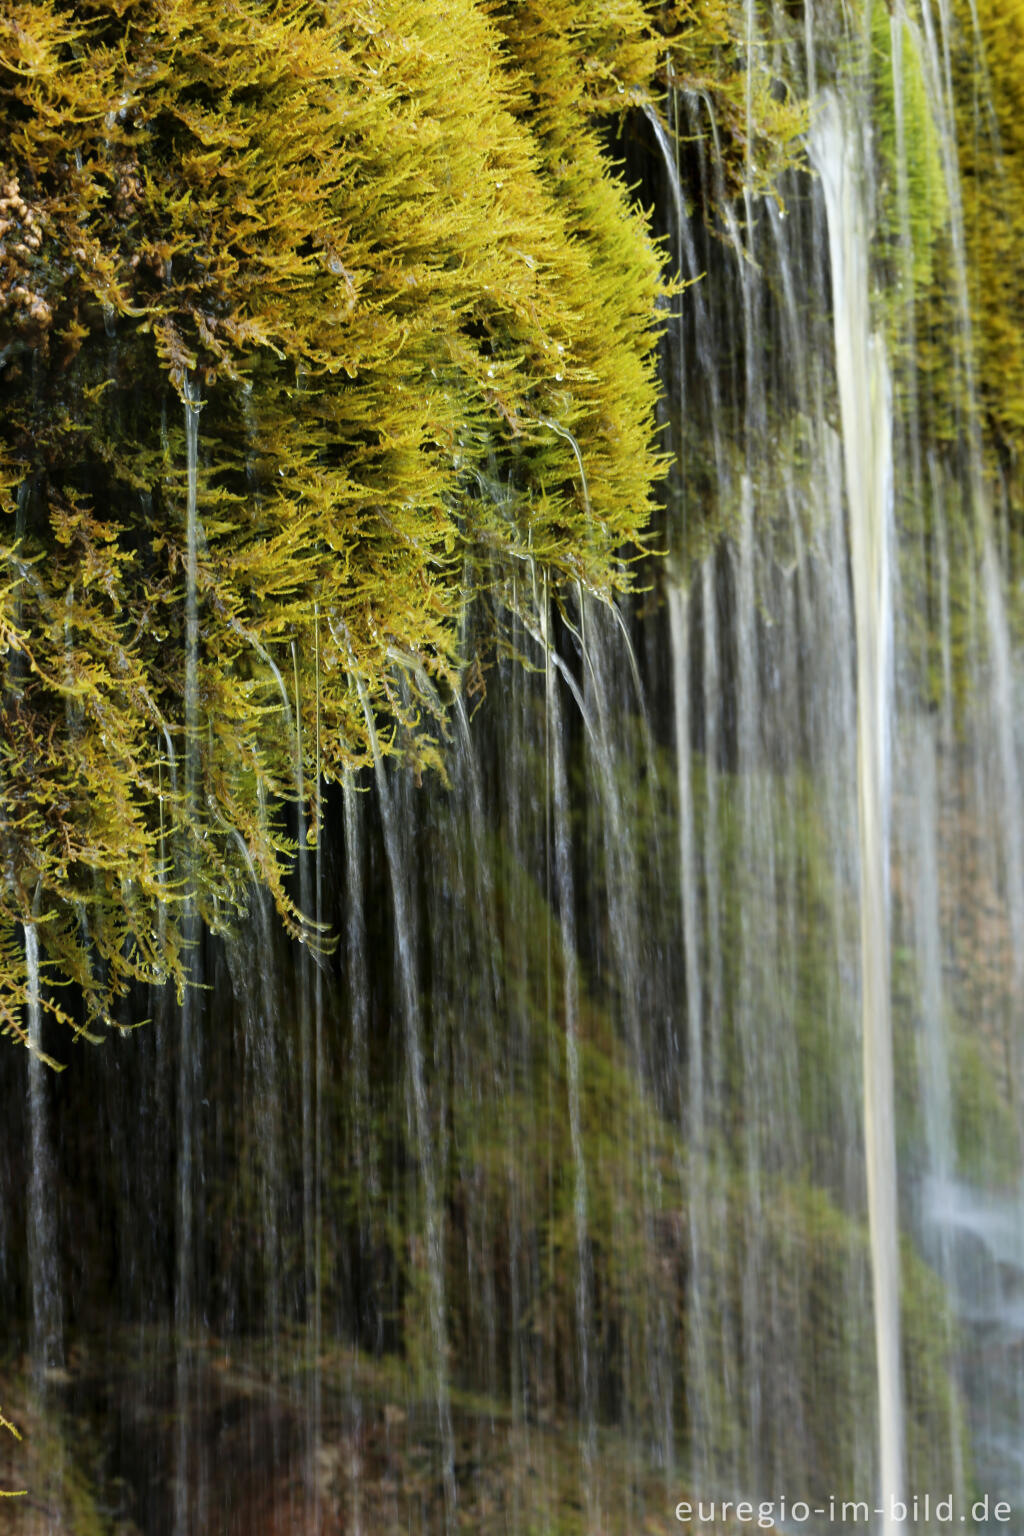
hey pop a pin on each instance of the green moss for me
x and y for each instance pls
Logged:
(987, 1136)
(51, 1461)
(913, 184)
(389, 253)
(966, 369)
(990, 135)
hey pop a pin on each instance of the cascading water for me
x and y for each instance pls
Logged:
(418, 1115)
(865, 403)
(560, 836)
(632, 1116)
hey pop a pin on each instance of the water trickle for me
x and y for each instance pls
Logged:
(566, 903)
(189, 1475)
(419, 1118)
(865, 401)
(696, 1095)
(567, 436)
(671, 165)
(191, 402)
(47, 1344)
(360, 1150)
(320, 1149)
(310, 1029)
(921, 858)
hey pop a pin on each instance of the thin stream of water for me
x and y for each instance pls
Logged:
(865, 400)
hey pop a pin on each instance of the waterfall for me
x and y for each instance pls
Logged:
(865, 399)
(418, 1111)
(571, 1005)
(695, 1092)
(615, 1105)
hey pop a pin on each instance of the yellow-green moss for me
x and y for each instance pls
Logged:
(386, 248)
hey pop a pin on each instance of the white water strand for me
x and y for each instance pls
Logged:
(679, 620)
(567, 924)
(460, 949)
(935, 1052)
(47, 1321)
(190, 396)
(604, 692)
(187, 1495)
(671, 167)
(419, 1116)
(698, 1376)
(310, 1031)
(756, 945)
(319, 1071)
(865, 406)
(360, 1150)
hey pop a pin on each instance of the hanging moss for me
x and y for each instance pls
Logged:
(913, 188)
(990, 128)
(960, 132)
(386, 251)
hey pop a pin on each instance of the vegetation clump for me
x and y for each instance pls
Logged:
(949, 144)
(378, 258)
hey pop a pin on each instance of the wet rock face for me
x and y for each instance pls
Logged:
(98, 1460)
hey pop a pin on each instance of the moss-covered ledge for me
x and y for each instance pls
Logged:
(384, 251)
